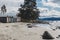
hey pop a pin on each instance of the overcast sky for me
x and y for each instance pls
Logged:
(50, 7)
(11, 5)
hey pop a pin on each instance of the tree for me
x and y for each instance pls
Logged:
(28, 11)
(3, 9)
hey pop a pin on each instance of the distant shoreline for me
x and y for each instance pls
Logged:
(50, 19)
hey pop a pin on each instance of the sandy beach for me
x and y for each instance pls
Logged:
(20, 31)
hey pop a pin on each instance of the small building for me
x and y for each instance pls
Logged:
(7, 19)
(18, 19)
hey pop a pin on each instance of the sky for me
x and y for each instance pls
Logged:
(11, 6)
(49, 7)
(46, 7)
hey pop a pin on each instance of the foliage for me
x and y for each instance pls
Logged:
(3, 9)
(28, 12)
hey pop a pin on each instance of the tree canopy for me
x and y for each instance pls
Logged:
(28, 12)
(3, 9)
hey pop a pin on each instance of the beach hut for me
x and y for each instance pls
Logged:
(18, 19)
(7, 19)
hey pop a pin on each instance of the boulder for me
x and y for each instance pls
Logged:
(47, 35)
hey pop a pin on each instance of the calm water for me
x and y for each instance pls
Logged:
(50, 19)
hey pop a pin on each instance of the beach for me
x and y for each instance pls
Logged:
(20, 31)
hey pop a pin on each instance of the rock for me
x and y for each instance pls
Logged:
(58, 36)
(46, 35)
(58, 27)
(54, 29)
(7, 26)
(29, 25)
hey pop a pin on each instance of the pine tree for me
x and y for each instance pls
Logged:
(28, 11)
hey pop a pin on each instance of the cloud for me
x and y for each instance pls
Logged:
(51, 13)
(48, 13)
(54, 12)
(56, 1)
(43, 11)
(11, 2)
(11, 5)
(51, 4)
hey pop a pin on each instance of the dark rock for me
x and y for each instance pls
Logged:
(59, 35)
(29, 25)
(14, 39)
(7, 26)
(46, 35)
(54, 29)
(58, 27)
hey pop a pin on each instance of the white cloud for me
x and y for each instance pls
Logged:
(50, 13)
(46, 12)
(11, 5)
(56, 1)
(54, 12)
(51, 4)
(11, 2)
(9, 9)
(43, 11)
